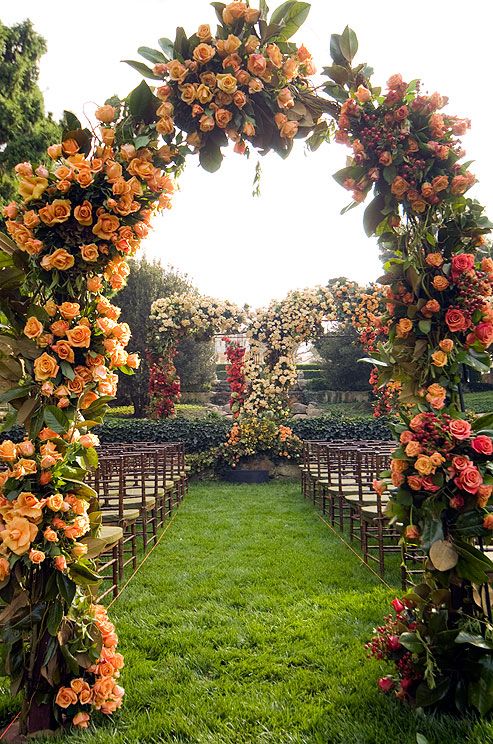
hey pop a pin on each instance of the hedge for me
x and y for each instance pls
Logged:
(201, 435)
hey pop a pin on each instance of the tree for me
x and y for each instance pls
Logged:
(25, 129)
(148, 280)
(340, 351)
(196, 365)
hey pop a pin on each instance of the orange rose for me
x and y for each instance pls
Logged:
(70, 146)
(32, 187)
(204, 32)
(105, 113)
(176, 70)
(45, 367)
(440, 283)
(50, 535)
(413, 449)
(288, 130)
(89, 252)
(69, 310)
(223, 117)
(4, 568)
(65, 696)
(203, 53)
(404, 327)
(55, 502)
(434, 259)
(439, 359)
(94, 284)
(64, 351)
(36, 556)
(8, 451)
(33, 327)
(31, 219)
(399, 187)
(274, 54)
(60, 259)
(424, 465)
(79, 336)
(88, 399)
(257, 64)
(440, 183)
(18, 535)
(446, 345)
(106, 225)
(227, 83)
(233, 12)
(58, 211)
(54, 151)
(251, 44)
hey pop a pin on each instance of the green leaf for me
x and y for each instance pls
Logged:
(66, 587)
(337, 73)
(83, 575)
(67, 370)
(264, 10)
(55, 617)
(56, 419)
(424, 326)
(479, 362)
(142, 68)
(181, 45)
(143, 103)
(481, 691)
(420, 739)
(426, 696)
(167, 46)
(219, 7)
(293, 20)
(351, 171)
(411, 642)
(15, 393)
(474, 640)
(70, 121)
(153, 55)
(483, 422)
(373, 215)
(349, 44)
(210, 157)
(335, 50)
(280, 12)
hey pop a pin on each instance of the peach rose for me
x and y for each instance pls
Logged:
(32, 187)
(28, 506)
(434, 259)
(36, 556)
(289, 129)
(69, 310)
(33, 327)
(60, 563)
(18, 535)
(59, 328)
(203, 53)
(363, 94)
(274, 54)
(60, 259)
(45, 367)
(204, 32)
(105, 113)
(460, 429)
(227, 83)
(424, 465)
(79, 336)
(285, 99)
(4, 568)
(87, 399)
(65, 696)
(233, 12)
(81, 719)
(440, 283)
(488, 522)
(223, 117)
(64, 351)
(106, 225)
(399, 187)
(456, 320)
(57, 212)
(26, 448)
(55, 502)
(50, 535)
(257, 64)
(414, 482)
(8, 451)
(176, 70)
(94, 284)
(446, 345)
(89, 252)
(439, 359)
(404, 327)
(413, 449)
(252, 15)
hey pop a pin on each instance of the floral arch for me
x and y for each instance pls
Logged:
(61, 346)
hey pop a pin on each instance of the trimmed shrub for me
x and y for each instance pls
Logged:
(201, 435)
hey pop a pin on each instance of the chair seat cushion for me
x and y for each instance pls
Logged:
(111, 534)
(129, 515)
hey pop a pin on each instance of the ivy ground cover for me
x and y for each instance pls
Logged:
(248, 624)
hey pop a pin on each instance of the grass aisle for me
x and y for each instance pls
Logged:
(247, 625)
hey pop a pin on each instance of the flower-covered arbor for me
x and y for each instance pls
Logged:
(71, 231)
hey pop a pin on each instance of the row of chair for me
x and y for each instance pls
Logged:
(338, 477)
(138, 485)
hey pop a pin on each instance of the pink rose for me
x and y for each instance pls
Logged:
(386, 684)
(482, 444)
(484, 333)
(398, 605)
(469, 480)
(460, 429)
(462, 262)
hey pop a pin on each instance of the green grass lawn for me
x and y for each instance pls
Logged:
(247, 625)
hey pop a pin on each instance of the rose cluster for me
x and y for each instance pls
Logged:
(235, 374)
(224, 83)
(403, 146)
(98, 689)
(251, 435)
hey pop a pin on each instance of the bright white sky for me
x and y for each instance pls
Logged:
(254, 249)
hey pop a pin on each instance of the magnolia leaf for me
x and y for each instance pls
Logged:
(55, 419)
(143, 103)
(211, 157)
(481, 690)
(483, 422)
(443, 555)
(168, 47)
(293, 20)
(373, 215)
(55, 617)
(348, 44)
(153, 55)
(15, 393)
(142, 68)
(335, 50)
